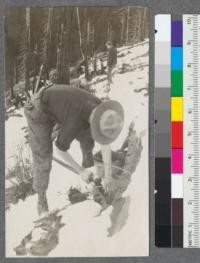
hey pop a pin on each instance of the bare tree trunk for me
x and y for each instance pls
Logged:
(123, 27)
(27, 56)
(63, 76)
(11, 83)
(86, 18)
(127, 26)
(35, 67)
(131, 34)
(108, 32)
(60, 57)
(59, 64)
(83, 38)
(38, 79)
(145, 23)
(95, 64)
(139, 24)
(67, 46)
(15, 70)
(141, 35)
(79, 31)
(47, 43)
(12, 77)
(84, 35)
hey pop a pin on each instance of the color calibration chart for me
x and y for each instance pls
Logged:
(177, 131)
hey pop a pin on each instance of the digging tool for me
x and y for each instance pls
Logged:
(96, 188)
(38, 79)
(64, 164)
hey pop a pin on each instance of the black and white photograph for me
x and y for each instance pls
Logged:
(76, 131)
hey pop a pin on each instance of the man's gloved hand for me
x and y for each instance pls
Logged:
(86, 175)
(110, 185)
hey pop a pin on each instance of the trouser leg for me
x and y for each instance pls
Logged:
(110, 75)
(87, 145)
(42, 164)
(41, 146)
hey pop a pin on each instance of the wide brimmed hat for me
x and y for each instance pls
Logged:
(107, 122)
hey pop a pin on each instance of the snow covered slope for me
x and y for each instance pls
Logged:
(85, 234)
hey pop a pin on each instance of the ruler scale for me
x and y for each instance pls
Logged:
(177, 131)
(191, 45)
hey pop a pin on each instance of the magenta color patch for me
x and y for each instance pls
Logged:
(177, 161)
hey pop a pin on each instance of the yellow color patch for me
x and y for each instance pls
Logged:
(176, 109)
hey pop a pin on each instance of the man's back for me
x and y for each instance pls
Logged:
(62, 101)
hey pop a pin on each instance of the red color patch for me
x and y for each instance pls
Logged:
(177, 135)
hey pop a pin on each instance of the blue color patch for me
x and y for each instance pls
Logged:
(177, 58)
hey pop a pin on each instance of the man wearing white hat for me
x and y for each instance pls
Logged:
(81, 116)
(112, 60)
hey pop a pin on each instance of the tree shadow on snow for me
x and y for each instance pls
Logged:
(119, 215)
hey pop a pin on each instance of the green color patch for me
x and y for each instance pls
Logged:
(176, 83)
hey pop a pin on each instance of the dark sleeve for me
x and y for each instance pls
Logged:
(67, 134)
(115, 57)
(112, 57)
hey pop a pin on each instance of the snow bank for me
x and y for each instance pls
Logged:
(85, 234)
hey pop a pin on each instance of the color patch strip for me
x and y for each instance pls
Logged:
(177, 161)
(176, 83)
(177, 134)
(177, 236)
(177, 208)
(177, 222)
(162, 130)
(177, 186)
(177, 109)
(177, 33)
(177, 58)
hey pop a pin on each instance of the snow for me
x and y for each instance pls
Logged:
(14, 139)
(85, 233)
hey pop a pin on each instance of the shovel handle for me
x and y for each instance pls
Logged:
(64, 165)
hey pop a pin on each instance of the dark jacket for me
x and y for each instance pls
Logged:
(70, 108)
(112, 57)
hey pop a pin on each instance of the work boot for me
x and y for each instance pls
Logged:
(42, 205)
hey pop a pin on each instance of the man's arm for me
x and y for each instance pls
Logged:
(66, 156)
(106, 155)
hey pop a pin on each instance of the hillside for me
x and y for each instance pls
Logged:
(84, 232)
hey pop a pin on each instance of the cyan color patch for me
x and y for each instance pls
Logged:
(177, 58)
